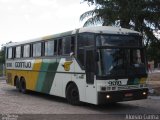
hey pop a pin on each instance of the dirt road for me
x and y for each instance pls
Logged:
(39, 105)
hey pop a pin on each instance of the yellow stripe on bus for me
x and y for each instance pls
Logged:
(33, 75)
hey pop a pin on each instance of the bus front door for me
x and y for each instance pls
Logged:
(91, 93)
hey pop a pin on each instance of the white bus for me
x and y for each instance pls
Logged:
(95, 65)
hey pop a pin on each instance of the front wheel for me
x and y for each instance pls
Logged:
(72, 94)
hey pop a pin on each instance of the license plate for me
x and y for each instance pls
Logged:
(128, 95)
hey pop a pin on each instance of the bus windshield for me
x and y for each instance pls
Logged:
(120, 56)
(121, 62)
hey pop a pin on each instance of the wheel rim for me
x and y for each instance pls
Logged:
(74, 94)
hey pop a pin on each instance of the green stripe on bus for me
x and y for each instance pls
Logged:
(47, 84)
(42, 75)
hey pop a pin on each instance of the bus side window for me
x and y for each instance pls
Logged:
(10, 53)
(49, 48)
(66, 45)
(37, 49)
(84, 40)
(26, 51)
(18, 52)
(60, 47)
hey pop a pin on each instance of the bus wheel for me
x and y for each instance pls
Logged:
(72, 94)
(23, 86)
(18, 84)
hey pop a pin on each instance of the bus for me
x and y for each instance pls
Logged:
(95, 65)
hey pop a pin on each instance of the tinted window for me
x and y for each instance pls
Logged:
(66, 45)
(60, 47)
(18, 52)
(26, 51)
(37, 50)
(84, 40)
(121, 62)
(72, 44)
(49, 48)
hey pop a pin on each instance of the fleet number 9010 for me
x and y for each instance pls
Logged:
(113, 83)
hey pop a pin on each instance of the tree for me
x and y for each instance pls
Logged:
(2, 53)
(2, 56)
(2, 60)
(153, 52)
(139, 15)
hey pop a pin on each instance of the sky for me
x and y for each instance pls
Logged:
(28, 19)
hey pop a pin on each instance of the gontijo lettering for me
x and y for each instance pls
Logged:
(22, 64)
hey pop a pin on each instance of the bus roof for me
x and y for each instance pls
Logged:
(107, 30)
(97, 29)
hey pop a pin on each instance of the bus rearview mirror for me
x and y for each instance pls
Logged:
(71, 54)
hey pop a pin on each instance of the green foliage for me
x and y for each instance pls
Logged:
(2, 53)
(153, 52)
(139, 15)
(2, 56)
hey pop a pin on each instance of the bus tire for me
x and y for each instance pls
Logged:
(72, 94)
(23, 86)
(17, 84)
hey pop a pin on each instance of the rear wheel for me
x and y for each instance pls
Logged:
(23, 86)
(72, 94)
(17, 84)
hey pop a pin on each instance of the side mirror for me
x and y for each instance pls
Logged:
(71, 54)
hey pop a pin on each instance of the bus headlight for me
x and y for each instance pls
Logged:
(107, 96)
(144, 93)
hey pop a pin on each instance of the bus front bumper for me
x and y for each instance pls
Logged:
(123, 95)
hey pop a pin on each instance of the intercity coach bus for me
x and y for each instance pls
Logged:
(95, 65)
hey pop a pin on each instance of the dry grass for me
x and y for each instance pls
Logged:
(154, 82)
